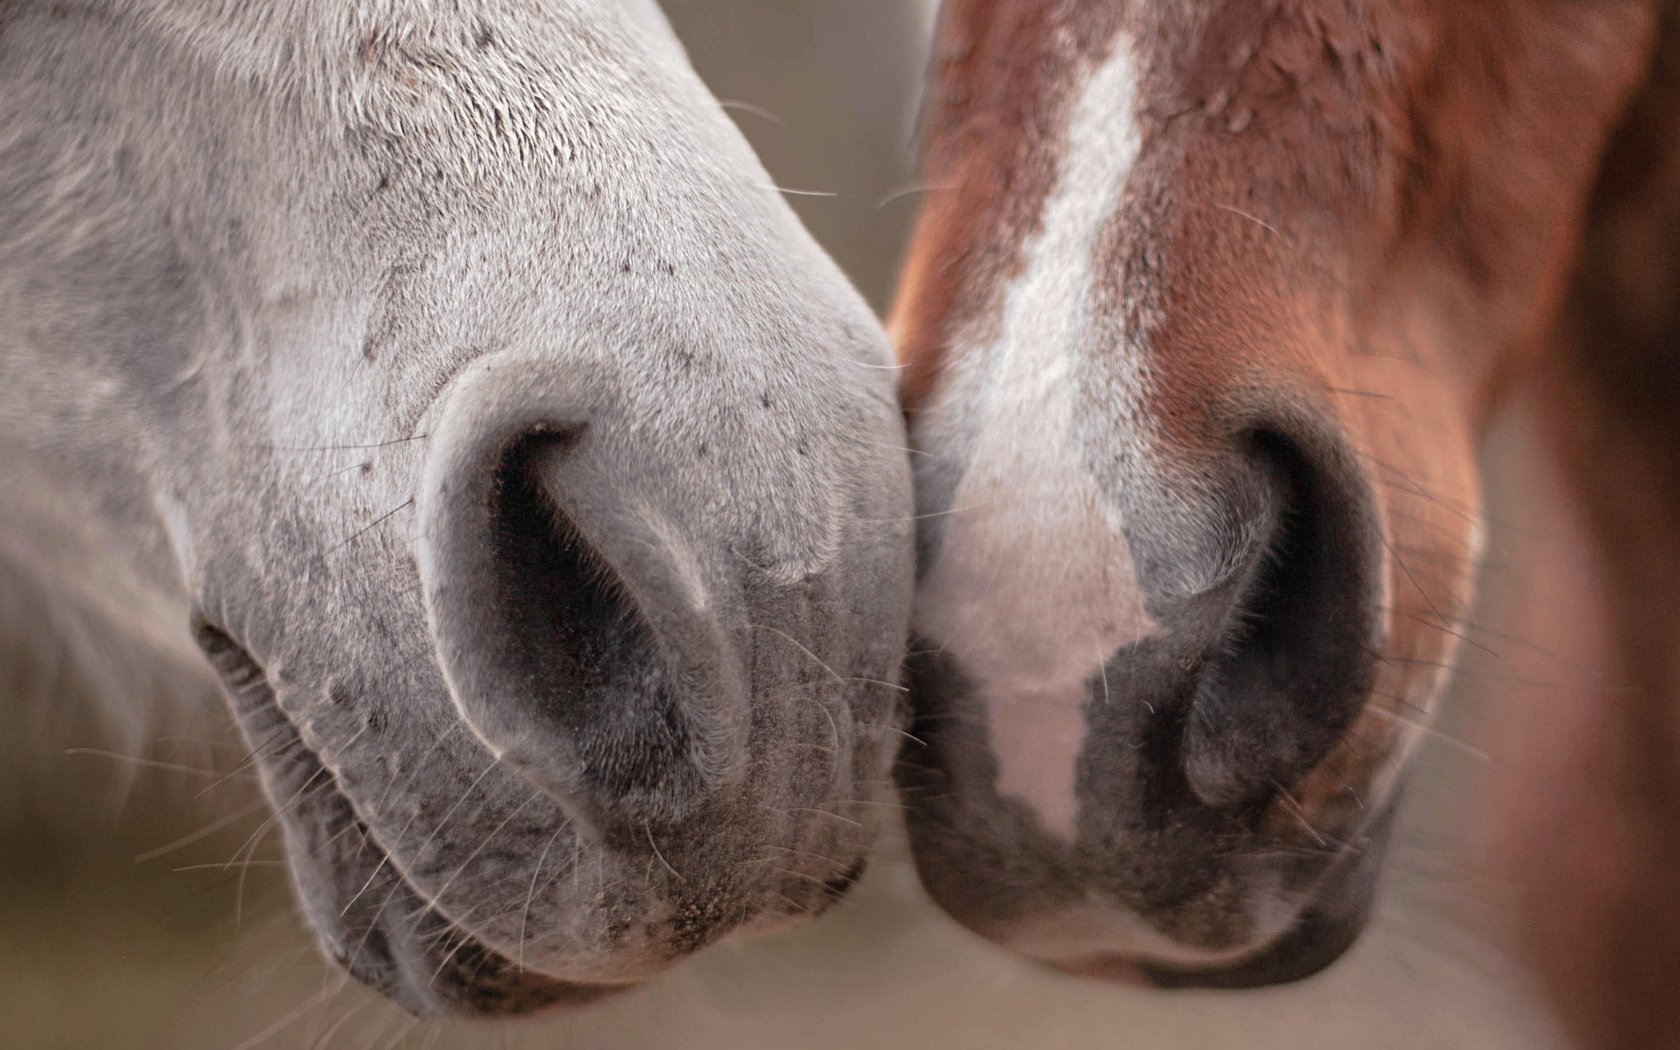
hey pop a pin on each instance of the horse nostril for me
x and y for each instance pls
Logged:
(572, 616)
(1297, 655)
(593, 682)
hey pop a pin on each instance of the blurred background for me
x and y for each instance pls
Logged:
(142, 903)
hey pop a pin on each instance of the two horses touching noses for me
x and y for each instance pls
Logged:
(457, 389)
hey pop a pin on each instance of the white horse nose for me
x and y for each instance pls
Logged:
(584, 630)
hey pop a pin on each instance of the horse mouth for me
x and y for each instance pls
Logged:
(1332, 923)
(1315, 941)
(364, 912)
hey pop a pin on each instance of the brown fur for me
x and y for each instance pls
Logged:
(1373, 209)
(1001, 75)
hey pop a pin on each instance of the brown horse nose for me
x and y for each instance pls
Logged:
(585, 635)
(1255, 679)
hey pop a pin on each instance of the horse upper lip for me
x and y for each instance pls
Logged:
(406, 949)
(369, 917)
(1343, 898)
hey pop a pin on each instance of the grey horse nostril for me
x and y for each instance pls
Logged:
(1294, 658)
(593, 675)
(578, 638)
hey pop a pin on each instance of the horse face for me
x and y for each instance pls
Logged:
(1196, 324)
(531, 481)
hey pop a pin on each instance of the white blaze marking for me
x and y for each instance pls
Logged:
(1033, 587)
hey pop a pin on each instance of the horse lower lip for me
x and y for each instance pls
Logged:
(1316, 942)
(1113, 969)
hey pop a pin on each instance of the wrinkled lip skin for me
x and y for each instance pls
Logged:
(382, 932)
(364, 912)
(367, 917)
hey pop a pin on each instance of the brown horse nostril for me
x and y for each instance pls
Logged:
(1295, 658)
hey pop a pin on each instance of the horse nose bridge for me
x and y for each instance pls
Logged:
(586, 629)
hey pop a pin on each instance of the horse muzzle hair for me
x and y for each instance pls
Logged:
(457, 380)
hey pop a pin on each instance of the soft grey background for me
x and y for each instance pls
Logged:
(141, 904)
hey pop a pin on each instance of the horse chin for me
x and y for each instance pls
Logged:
(1311, 942)
(420, 959)
(1314, 941)
(427, 951)
(366, 914)
(1295, 920)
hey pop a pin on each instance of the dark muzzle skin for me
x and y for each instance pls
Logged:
(1186, 876)
(1343, 901)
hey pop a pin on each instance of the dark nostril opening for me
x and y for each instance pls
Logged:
(1297, 658)
(588, 679)
(837, 886)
